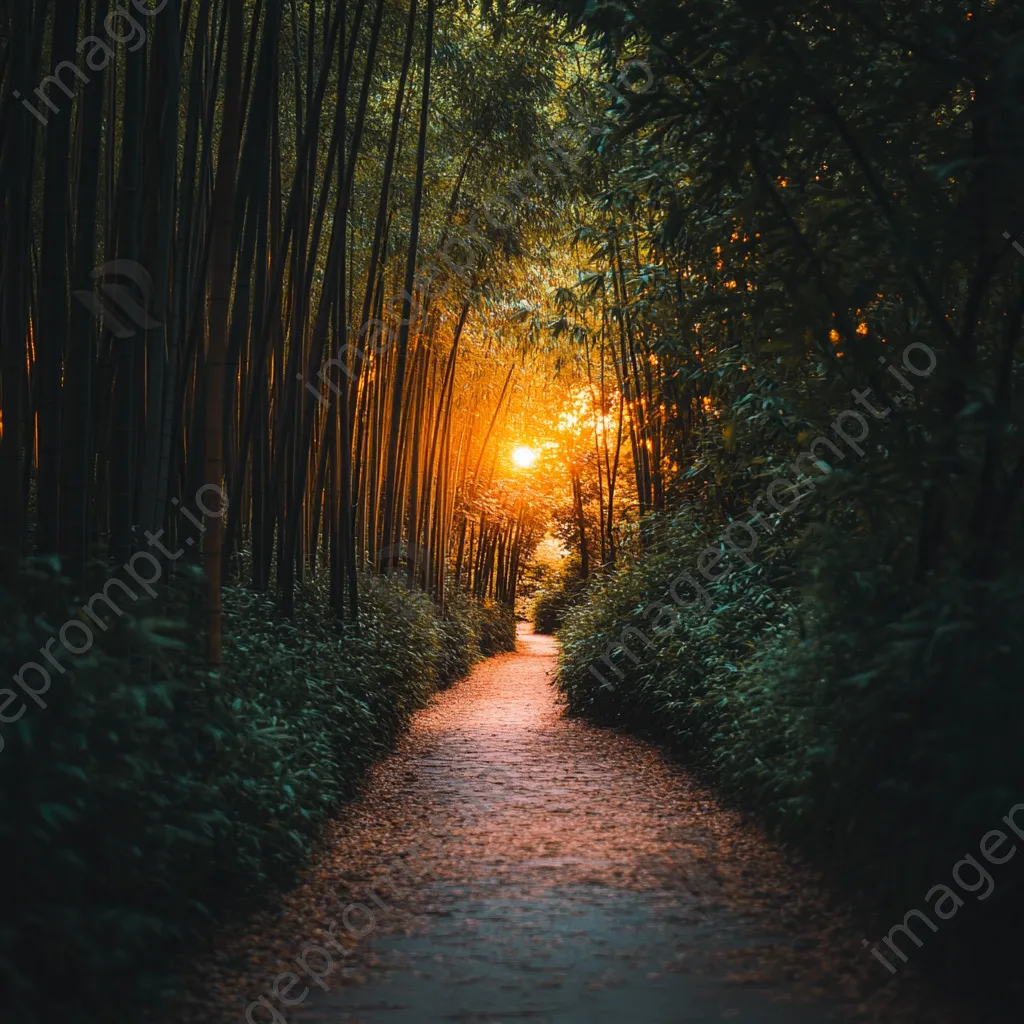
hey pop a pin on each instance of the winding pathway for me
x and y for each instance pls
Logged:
(547, 871)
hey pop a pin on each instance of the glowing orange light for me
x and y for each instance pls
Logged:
(523, 456)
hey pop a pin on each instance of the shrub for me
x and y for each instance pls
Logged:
(870, 719)
(458, 637)
(557, 596)
(497, 628)
(151, 794)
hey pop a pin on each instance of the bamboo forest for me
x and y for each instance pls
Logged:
(511, 510)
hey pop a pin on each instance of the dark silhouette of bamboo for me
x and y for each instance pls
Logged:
(222, 263)
(390, 480)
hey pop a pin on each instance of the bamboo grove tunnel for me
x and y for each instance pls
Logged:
(511, 510)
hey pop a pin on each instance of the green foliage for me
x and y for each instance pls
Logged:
(497, 628)
(865, 717)
(556, 596)
(458, 638)
(470, 629)
(151, 794)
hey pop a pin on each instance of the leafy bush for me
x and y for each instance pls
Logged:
(497, 628)
(865, 717)
(150, 793)
(556, 597)
(458, 638)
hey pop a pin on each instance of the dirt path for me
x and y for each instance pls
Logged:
(543, 870)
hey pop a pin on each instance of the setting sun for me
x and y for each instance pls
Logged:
(523, 456)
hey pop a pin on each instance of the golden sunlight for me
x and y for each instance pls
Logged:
(523, 456)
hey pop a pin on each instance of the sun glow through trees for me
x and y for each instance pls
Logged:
(523, 457)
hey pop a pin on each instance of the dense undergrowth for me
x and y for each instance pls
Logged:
(556, 597)
(151, 794)
(864, 717)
